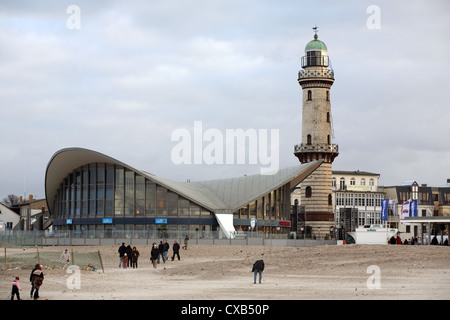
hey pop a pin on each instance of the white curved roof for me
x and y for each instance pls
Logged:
(219, 196)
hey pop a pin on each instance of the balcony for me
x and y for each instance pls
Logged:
(308, 74)
(332, 148)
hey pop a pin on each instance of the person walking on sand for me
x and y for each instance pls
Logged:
(37, 277)
(15, 288)
(161, 252)
(186, 240)
(134, 258)
(176, 250)
(31, 279)
(122, 250)
(258, 267)
(154, 255)
(65, 258)
(166, 250)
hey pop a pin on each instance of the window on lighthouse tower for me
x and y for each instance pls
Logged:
(309, 95)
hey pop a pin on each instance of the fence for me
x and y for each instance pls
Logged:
(28, 258)
(141, 237)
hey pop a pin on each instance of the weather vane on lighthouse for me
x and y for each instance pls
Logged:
(315, 29)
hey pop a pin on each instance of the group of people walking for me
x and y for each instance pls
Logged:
(128, 255)
(36, 279)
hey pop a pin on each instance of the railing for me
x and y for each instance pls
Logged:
(141, 237)
(326, 73)
(316, 148)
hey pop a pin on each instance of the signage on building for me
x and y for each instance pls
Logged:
(161, 221)
(253, 223)
(68, 221)
(285, 223)
(107, 220)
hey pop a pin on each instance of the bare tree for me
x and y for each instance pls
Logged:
(11, 200)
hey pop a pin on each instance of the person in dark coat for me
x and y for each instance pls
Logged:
(258, 267)
(36, 281)
(166, 250)
(154, 254)
(31, 279)
(134, 258)
(392, 240)
(434, 241)
(129, 253)
(176, 250)
(161, 252)
(122, 250)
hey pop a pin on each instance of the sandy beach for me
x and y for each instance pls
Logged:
(220, 272)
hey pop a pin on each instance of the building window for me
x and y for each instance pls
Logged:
(328, 139)
(352, 181)
(308, 192)
(363, 181)
(371, 182)
(328, 117)
(309, 95)
(329, 200)
(342, 183)
(328, 95)
(308, 140)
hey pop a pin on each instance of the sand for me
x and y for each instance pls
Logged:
(221, 272)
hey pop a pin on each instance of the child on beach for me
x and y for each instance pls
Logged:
(15, 285)
(125, 261)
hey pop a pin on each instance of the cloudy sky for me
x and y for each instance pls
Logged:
(120, 77)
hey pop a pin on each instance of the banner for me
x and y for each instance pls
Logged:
(413, 208)
(384, 209)
(405, 208)
(393, 207)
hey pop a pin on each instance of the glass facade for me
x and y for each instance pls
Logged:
(273, 206)
(99, 191)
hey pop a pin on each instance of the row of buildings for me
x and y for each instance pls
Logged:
(102, 197)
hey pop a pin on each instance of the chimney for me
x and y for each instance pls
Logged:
(30, 198)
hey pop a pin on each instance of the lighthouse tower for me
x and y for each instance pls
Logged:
(316, 79)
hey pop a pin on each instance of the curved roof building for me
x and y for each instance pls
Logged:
(87, 190)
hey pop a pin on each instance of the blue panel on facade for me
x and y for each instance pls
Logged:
(160, 221)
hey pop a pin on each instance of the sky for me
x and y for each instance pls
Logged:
(120, 77)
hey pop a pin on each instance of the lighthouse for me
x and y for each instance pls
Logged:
(316, 78)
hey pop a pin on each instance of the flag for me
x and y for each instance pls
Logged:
(406, 208)
(393, 207)
(413, 208)
(384, 209)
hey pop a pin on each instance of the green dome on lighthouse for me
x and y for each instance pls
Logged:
(315, 44)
